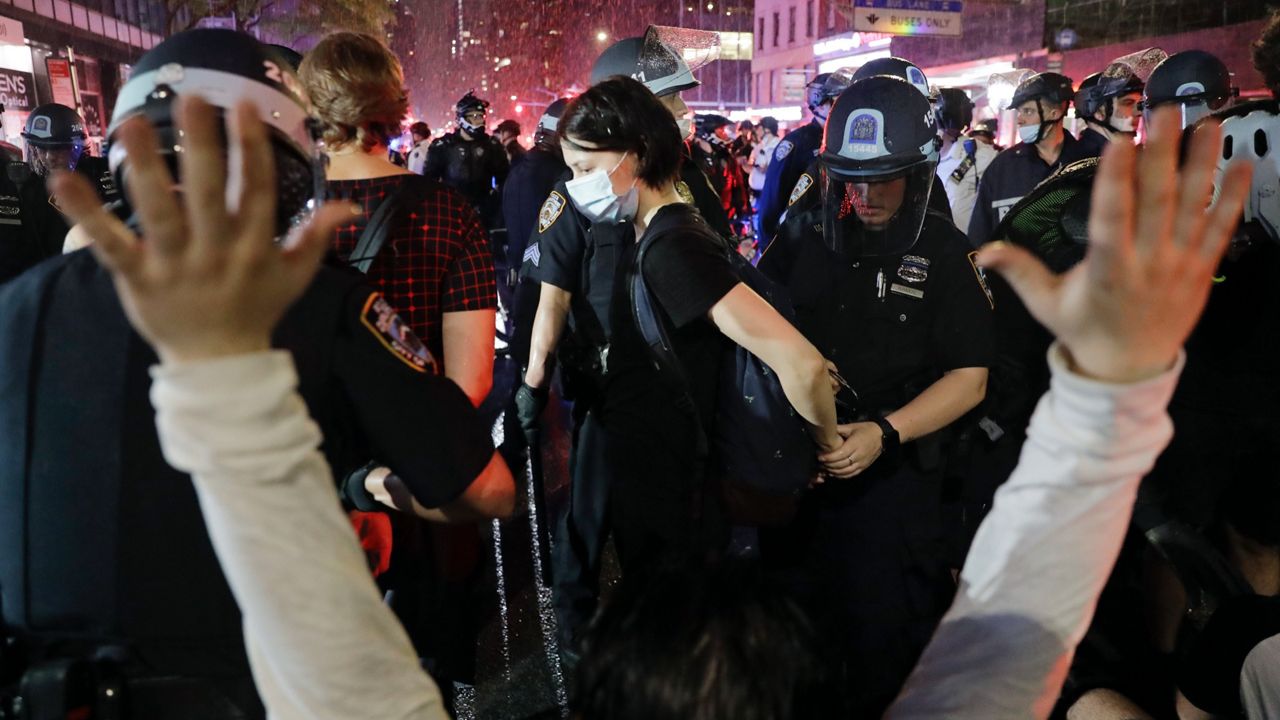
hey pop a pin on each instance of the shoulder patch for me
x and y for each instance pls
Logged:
(550, 212)
(802, 186)
(783, 150)
(982, 279)
(682, 189)
(395, 335)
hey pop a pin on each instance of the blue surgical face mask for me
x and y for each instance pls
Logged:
(1029, 134)
(593, 195)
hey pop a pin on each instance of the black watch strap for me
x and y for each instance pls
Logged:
(889, 432)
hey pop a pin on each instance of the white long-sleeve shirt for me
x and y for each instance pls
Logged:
(320, 641)
(1039, 561)
(322, 645)
(963, 193)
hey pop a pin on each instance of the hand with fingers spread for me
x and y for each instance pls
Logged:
(1155, 239)
(863, 444)
(205, 279)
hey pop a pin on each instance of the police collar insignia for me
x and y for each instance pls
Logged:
(550, 212)
(914, 269)
(396, 336)
(783, 150)
(802, 186)
(533, 254)
(686, 195)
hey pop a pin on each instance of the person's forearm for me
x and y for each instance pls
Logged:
(807, 385)
(1040, 559)
(941, 404)
(548, 325)
(468, 351)
(1104, 704)
(323, 643)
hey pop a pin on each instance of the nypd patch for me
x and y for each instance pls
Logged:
(864, 134)
(550, 212)
(982, 279)
(783, 150)
(802, 186)
(914, 269)
(395, 335)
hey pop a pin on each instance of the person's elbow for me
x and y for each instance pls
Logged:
(491, 496)
(974, 385)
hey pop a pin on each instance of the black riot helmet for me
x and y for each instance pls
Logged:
(1046, 87)
(823, 88)
(546, 136)
(896, 67)
(954, 110)
(1195, 79)
(470, 103)
(707, 125)
(55, 136)
(1085, 103)
(225, 67)
(881, 132)
(663, 60)
(1125, 76)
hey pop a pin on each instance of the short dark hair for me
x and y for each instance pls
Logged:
(420, 128)
(770, 123)
(1266, 54)
(510, 126)
(702, 643)
(621, 115)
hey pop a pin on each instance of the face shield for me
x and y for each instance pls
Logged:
(670, 56)
(875, 215)
(44, 160)
(1192, 101)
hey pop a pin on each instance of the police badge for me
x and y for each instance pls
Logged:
(914, 269)
(550, 212)
(686, 195)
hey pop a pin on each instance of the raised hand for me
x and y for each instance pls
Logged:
(1155, 238)
(205, 279)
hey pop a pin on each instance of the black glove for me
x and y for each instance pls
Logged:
(530, 402)
(355, 495)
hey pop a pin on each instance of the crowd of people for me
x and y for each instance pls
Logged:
(880, 419)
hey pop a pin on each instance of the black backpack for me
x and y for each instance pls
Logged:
(761, 442)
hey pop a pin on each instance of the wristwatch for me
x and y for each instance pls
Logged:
(889, 438)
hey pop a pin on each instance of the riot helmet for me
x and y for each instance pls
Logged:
(546, 136)
(466, 106)
(55, 138)
(985, 128)
(1120, 86)
(954, 110)
(1198, 81)
(708, 124)
(880, 148)
(663, 60)
(1251, 133)
(1084, 103)
(824, 88)
(224, 67)
(1046, 87)
(896, 67)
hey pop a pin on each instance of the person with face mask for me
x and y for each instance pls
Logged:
(1041, 102)
(886, 289)
(470, 160)
(574, 254)
(794, 154)
(1112, 109)
(55, 140)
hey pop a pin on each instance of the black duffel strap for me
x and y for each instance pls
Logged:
(376, 231)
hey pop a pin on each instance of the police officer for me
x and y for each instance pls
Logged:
(793, 155)
(1111, 107)
(712, 151)
(55, 139)
(12, 246)
(888, 291)
(471, 161)
(963, 160)
(420, 135)
(1196, 80)
(103, 550)
(1041, 102)
(575, 258)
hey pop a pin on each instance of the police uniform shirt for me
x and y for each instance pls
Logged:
(12, 245)
(99, 536)
(528, 185)
(1011, 175)
(471, 167)
(894, 322)
(417, 159)
(695, 189)
(960, 173)
(44, 227)
(1092, 142)
(790, 159)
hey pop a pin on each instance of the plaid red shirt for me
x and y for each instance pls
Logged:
(436, 259)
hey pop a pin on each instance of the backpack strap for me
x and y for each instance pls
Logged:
(379, 226)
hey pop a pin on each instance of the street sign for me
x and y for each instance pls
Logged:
(908, 17)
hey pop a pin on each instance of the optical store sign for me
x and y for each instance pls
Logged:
(908, 17)
(17, 85)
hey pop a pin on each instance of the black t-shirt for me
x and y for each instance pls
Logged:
(894, 324)
(688, 273)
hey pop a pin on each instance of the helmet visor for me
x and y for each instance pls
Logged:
(875, 215)
(671, 56)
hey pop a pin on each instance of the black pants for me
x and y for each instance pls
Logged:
(581, 534)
